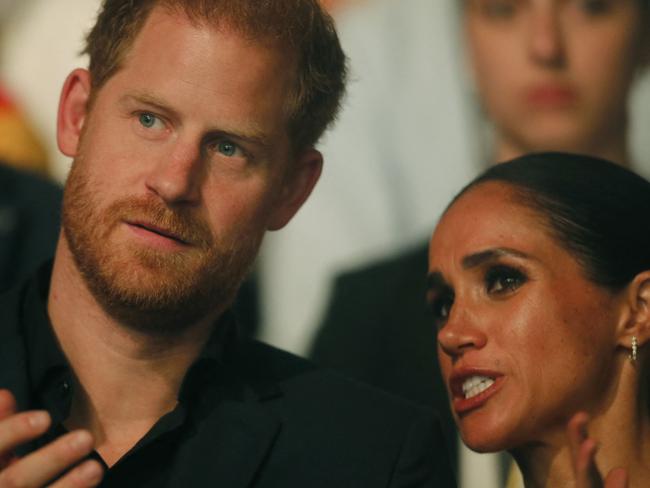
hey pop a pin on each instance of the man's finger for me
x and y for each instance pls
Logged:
(617, 478)
(577, 433)
(21, 428)
(40, 467)
(587, 475)
(87, 474)
(7, 404)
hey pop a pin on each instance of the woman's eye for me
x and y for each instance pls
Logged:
(595, 7)
(498, 9)
(503, 279)
(148, 120)
(441, 308)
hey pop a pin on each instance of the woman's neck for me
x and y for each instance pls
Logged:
(613, 149)
(621, 428)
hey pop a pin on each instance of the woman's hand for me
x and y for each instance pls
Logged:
(583, 452)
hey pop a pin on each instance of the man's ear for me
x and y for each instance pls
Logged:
(73, 106)
(636, 319)
(297, 186)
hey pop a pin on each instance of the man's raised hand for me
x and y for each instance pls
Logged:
(47, 463)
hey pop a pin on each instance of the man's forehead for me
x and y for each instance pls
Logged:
(164, 23)
(222, 20)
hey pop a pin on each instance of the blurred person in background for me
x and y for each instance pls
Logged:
(29, 203)
(549, 75)
(19, 145)
(29, 222)
(404, 101)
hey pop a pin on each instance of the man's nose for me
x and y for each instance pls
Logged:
(178, 177)
(545, 36)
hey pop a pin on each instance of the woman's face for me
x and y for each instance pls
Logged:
(555, 74)
(524, 339)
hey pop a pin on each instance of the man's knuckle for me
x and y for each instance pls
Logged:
(13, 430)
(11, 478)
(62, 452)
(24, 425)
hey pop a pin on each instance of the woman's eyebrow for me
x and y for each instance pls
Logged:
(436, 282)
(479, 258)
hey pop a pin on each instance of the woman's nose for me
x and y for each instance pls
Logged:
(460, 334)
(545, 36)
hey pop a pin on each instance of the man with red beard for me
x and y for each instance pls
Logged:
(192, 134)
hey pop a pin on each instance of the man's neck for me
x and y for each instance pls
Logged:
(126, 379)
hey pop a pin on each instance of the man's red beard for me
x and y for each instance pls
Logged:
(149, 290)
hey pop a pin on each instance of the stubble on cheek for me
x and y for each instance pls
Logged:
(155, 291)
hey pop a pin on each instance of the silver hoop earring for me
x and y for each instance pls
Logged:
(635, 347)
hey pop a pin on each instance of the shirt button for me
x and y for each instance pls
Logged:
(64, 388)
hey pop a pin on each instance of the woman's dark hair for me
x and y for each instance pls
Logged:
(597, 210)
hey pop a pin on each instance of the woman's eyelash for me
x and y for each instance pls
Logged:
(502, 279)
(596, 7)
(441, 307)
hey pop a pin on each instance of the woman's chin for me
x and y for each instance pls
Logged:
(486, 441)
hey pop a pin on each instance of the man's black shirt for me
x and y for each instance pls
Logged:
(247, 415)
(29, 223)
(52, 383)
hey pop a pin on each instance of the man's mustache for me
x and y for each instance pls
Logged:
(182, 224)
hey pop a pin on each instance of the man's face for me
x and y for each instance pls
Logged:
(180, 167)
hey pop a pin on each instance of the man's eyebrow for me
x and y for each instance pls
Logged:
(148, 99)
(479, 258)
(249, 135)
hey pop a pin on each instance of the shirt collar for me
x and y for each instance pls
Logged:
(209, 363)
(46, 359)
(43, 351)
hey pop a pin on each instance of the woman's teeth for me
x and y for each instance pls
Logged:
(474, 385)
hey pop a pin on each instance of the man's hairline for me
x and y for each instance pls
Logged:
(290, 107)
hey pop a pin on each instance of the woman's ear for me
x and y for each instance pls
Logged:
(73, 107)
(636, 320)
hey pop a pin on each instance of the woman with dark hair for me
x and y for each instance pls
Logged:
(539, 281)
(549, 75)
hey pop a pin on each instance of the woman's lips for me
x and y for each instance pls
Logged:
(471, 389)
(551, 96)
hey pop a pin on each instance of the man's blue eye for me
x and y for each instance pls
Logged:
(226, 148)
(147, 120)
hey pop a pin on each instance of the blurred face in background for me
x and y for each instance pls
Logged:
(556, 74)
